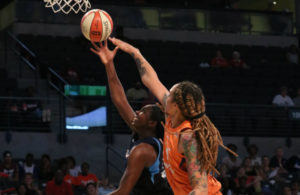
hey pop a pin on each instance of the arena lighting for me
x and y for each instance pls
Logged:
(274, 2)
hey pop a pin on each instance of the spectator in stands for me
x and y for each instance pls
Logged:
(266, 166)
(85, 176)
(136, 93)
(22, 189)
(226, 180)
(32, 107)
(91, 189)
(236, 61)
(230, 161)
(9, 167)
(278, 161)
(295, 188)
(105, 187)
(31, 188)
(293, 165)
(71, 74)
(297, 99)
(292, 55)
(12, 108)
(45, 172)
(74, 170)
(286, 190)
(223, 171)
(70, 179)
(12, 105)
(219, 60)
(283, 99)
(246, 183)
(248, 167)
(264, 172)
(278, 166)
(252, 151)
(243, 188)
(58, 186)
(63, 166)
(28, 166)
(6, 186)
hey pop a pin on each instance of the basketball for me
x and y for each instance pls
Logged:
(96, 25)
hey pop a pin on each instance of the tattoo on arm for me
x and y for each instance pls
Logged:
(141, 69)
(198, 178)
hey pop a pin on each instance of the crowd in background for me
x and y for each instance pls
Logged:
(58, 177)
(271, 174)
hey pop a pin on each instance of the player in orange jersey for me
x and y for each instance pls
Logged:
(191, 140)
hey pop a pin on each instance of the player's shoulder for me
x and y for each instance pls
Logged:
(144, 151)
(187, 135)
(187, 132)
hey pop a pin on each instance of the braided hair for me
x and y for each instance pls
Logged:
(190, 100)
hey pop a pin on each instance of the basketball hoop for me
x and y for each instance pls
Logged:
(68, 5)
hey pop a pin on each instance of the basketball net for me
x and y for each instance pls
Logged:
(66, 6)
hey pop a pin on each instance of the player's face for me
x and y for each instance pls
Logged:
(142, 117)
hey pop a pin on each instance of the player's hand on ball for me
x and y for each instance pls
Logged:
(126, 47)
(105, 54)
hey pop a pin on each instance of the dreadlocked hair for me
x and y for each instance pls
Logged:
(158, 116)
(190, 99)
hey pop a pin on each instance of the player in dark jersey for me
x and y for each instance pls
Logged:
(144, 172)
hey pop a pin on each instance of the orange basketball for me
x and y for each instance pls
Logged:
(96, 25)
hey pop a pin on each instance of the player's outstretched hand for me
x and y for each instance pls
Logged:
(105, 54)
(126, 47)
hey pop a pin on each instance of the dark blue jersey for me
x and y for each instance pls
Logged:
(153, 179)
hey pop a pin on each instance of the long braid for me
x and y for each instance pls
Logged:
(191, 101)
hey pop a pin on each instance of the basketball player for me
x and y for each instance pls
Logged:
(144, 172)
(191, 140)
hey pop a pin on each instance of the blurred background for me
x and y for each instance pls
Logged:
(56, 111)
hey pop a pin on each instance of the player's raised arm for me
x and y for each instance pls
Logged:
(118, 95)
(147, 73)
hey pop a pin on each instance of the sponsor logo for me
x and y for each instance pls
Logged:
(96, 33)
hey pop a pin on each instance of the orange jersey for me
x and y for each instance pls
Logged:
(70, 179)
(83, 180)
(175, 163)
